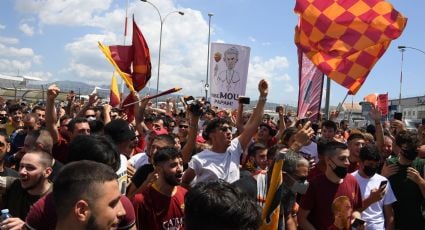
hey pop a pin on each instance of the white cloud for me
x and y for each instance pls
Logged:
(2, 27)
(266, 43)
(70, 12)
(26, 29)
(8, 40)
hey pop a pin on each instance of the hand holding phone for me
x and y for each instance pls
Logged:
(244, 100)
(357, 223)
(383, 184)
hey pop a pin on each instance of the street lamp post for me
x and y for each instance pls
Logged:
(208, 55)
(162, 20)
(402, 49)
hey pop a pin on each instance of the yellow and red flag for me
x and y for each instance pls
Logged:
(114, 94)
(136, 56)
(345, 38)
(271, 210)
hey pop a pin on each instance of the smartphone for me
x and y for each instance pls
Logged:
(357, 223)
(398, 116)
(383, 183)
(244, 100)
(279, 108)
(423, 121)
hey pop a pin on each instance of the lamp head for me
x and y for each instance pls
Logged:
(401, 47)
(181, 13)
(143, 0)
(210, 14)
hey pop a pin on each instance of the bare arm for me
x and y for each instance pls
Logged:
(51, 124)
(303, 221)
(93, 98)
(379, 133)
(188, 177)
(191, 138)
(256, 117)
(389, 217)
(239, 118)
(282, 125)
(140, 114)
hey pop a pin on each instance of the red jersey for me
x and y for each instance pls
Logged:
(42, 214)
(321, 194)
(155, 211)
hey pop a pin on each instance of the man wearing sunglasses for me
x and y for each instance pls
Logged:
(223, 159)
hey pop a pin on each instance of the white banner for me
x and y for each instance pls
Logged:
(228, 73)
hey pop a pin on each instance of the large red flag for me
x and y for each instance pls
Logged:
(310, 88)
(137, 55)
(345, 38)
(141, 59)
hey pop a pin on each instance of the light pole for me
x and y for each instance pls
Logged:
(162, 20)
(402, 49)
(208, 55)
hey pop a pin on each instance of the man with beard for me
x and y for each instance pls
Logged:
(34, 170)
(376, 196)
(161, 205)
(408, 182)
(15, 112)
(86, 195)
(315, 207)
(223, 159)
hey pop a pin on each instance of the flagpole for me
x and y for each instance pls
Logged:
(124, 38)
(328, 95)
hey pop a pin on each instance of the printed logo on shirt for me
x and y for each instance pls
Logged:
(173, 224)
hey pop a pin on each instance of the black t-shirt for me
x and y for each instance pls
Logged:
(9, 172)
(141, 174)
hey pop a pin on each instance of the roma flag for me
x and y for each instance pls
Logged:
(270, 213)
(310, 88)
(114, 94)
(136, 56)
(345, 38)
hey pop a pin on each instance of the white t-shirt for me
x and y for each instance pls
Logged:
(310, 150)
(374, 214)
(122, 174)
(211, 166)
(138, 160)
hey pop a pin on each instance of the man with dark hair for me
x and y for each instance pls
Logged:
(378, 199)
(94, 148)
(161, 205)
(41, 113)
(15, 112)
(315, 207)
(146, 174)
(355, 142)
(77, 126)
(223, 159)
(408, 182)
(266, 135)
(328, 130)
(86, 195)
(7, 175)
(34, 170)
(218, 205)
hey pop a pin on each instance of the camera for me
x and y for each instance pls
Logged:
(194, 106)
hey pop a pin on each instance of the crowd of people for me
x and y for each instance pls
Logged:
(75, 165)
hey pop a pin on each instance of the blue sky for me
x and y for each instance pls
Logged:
(56, 40)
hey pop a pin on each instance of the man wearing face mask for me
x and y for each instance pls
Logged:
(376, 191)
(295, 182)
(315, 207)
(408, 182)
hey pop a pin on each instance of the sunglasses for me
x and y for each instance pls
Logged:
(87, 116)
(225, 128)
(183, 126)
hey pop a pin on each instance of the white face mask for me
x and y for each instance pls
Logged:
(298, 187)
(91, 118)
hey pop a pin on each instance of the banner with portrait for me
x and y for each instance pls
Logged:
(228, 74)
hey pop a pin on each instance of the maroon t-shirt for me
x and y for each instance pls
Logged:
(156, 211)
(60, 150)
(42, 214)
(320, 195)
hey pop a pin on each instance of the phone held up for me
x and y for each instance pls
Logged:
(244, 100)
